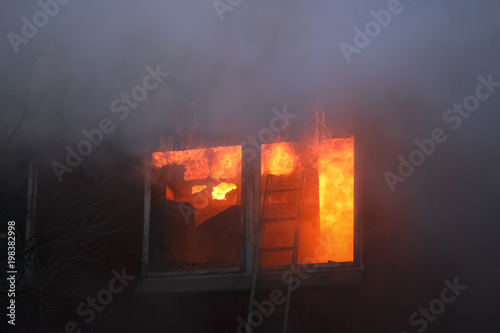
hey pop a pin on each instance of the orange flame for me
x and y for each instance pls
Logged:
(220, 162)
(219, 191)
(204, 168)
(195, 161)
(226, 163)
(334, 162)
(278, 158)
(198, 188)
(333, 159)
(336, 197)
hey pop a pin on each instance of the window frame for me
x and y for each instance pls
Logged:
(239, 278)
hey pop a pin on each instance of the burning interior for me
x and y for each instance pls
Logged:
(197, 221)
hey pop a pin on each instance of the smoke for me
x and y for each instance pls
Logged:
(227, 76)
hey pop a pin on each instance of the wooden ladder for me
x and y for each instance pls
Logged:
(294, 248)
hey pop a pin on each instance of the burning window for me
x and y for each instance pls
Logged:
(197, 222)
(195, 209)
(324, 174)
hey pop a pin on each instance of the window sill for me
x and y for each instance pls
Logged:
(322, 276)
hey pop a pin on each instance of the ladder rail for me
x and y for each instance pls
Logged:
(295, 254)
(259, 249)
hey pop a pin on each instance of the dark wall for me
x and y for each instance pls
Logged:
(411, 243)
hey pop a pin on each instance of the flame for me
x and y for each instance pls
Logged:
(218, 169)
(219, 191)
(220, 162)
(336, 197)
(198, 188)
(227, 162)
(195, 161)
(332, 162)
(278, 158)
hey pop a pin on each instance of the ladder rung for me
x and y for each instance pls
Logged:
(279, 219)
(284, 189)
(276, 249)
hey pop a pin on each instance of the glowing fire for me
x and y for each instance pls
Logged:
(219, 191)
(333, 163)
(218, 163)
(212, 173)
(198, 188)
(278, 158)
(195, 161)
(209, 175)
(226, 162)
(336, 198)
